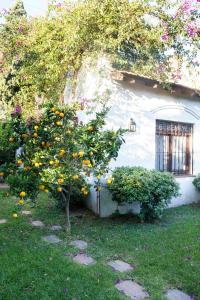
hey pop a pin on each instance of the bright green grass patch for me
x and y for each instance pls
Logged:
(166, 254)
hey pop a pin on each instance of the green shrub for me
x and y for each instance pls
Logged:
(7, 149)
(152, 189)
(196, 182)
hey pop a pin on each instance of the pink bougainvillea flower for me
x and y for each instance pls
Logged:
(186, 6)
(191, 31)
(59, 4)
(18, 110)
(18, 43)
(189, 6)
(4, 11)
(165, 37)
(20, 29)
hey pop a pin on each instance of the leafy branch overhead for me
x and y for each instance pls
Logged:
(137, 35)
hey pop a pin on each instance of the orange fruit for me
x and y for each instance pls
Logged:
(90, 128)
(42, 187)
(35, 135)
(19, 162)
(21, 202)
(60, 181)
(109, 181)
(22, 194)
(81, 153)
(36, 127)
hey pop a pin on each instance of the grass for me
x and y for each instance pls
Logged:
(165, 255)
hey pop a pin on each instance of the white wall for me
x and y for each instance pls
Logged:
(144, 104)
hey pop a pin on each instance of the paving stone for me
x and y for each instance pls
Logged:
(26, 213)
(119, 265)
(52, 239)
(4, 186)
(174, 294)
(79, 244)
(83, 259)
(3, 221)
(37, 223)
(132, 289)
(56, 228)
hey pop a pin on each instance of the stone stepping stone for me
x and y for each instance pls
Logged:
(83, 259)
(174, 294)
(56, 227)
(52, 239)
(132, 289)
(79, 244)
(26, 213)
(37, 224)
(4, 186)
(3, 221)
(119, 265)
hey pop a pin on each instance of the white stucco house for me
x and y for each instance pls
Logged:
(167, 135)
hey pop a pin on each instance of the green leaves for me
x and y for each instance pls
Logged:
(152, 189)
(60, 156)
(48, 48)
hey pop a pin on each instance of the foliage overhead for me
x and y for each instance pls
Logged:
(137, 35)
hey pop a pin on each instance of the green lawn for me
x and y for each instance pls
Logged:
(166, 254)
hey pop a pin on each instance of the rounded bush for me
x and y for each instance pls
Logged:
(152, 189)
(196, 182)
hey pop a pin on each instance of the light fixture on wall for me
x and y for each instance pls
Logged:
(132, 125)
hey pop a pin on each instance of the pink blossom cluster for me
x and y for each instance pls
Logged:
(20, 29)
(165, 37)
(17, 111)
(4, 11)
(192, 31)
(176, 76)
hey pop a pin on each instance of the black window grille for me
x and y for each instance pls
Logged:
(174, 147)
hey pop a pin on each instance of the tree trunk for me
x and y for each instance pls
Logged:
(67, 215)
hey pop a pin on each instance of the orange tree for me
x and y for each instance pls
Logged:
(59, 153)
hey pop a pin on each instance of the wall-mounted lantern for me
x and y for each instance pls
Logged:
(132, 126)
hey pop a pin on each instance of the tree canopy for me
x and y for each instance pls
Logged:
(140, 36)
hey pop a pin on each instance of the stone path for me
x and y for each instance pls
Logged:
(56, 227)
(174, 294)
(128, 287)
(26, 213)
(83, 259)
(51, 239)
(120, 266)
(81, 245)
(132, 289)
(37, 223)
(4, 186)
(3, 221)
